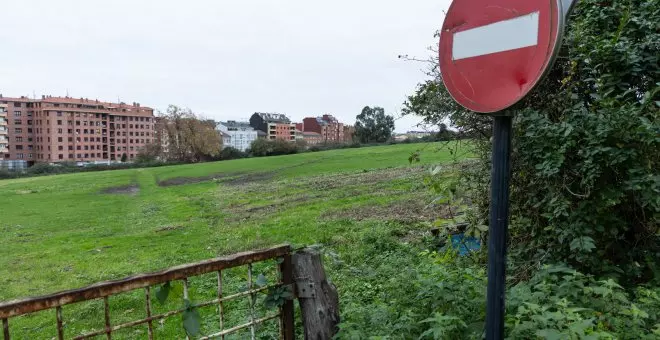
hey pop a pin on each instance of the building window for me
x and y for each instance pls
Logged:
(59, 122)
(19, 147)
(60, 148)
(17, 113)
(70, 147)
(59, 139)
(78, 147)
(19, 156)
(17, 122)
(19, 139)
(70, 156)
(17, 104)
(59, 114)
(18, 130)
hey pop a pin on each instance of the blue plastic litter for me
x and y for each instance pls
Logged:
(465, 244)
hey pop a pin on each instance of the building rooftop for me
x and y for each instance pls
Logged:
(235, 124)
(71, 100)
(261, 133)
(274, 117)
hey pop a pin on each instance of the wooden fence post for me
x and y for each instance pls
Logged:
(318, 299)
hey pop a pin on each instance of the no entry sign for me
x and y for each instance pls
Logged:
(493, 52)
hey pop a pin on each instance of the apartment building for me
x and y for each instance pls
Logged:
(275, 125)
(349, 133)
(238, 135)
(58, 129)
(330, 129)
(4, 141)
(312, 138)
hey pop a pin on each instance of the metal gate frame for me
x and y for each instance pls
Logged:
(103, 290)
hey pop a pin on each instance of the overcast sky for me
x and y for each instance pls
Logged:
(224, 59)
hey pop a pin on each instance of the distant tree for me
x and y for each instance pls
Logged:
(150, 153)
(262, 147)
(124, 158)
(187, 136)
(231, 153)
(373, 125)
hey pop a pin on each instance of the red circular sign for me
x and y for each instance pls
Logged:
(492, 53)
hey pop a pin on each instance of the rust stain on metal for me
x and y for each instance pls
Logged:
(60, 329)
(107, 288)
(150, 326)
(5, 328)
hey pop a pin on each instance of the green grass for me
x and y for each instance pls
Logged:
(63, 232)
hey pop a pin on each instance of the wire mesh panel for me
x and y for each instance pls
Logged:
(128, 311)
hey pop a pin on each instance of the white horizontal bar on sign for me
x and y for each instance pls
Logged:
(511, 34)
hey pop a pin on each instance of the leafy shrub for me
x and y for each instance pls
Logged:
(263, 147)
(584, 186)
(404, 294)
(561, 303)
(230, 153)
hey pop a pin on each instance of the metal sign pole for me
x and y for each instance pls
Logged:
(490, 58)
(498, 226)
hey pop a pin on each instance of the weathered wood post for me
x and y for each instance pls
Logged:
(318, 299)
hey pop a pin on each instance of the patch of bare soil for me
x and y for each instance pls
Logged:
(362, 178)
(406, 211)
(131, 189)
(192, 180)
(244, 212)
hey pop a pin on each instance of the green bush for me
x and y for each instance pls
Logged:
(230, 153)
(263, 147)
(585, 188)
(404, 294)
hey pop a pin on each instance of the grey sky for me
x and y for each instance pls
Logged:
(224, 59)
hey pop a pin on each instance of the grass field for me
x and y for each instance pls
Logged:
(67, 231)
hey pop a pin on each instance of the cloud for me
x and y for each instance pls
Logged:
(225, 59)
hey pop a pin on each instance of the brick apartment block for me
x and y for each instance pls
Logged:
(327, 126)
(58, 129)
(274, 125)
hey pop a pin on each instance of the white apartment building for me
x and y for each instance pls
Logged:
(4, 139)
(239, 135)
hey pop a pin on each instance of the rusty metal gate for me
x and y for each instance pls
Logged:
(103, 290)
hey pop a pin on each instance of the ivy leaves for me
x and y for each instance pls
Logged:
(191, 318)
(275, 296)
(163, 292)
(190, 315)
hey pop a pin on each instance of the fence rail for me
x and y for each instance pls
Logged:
(103, 290)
